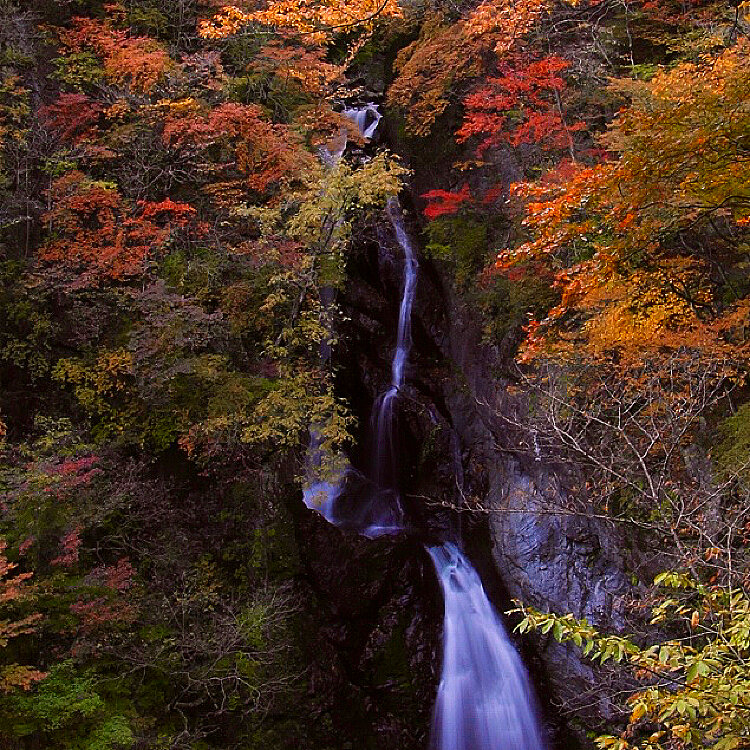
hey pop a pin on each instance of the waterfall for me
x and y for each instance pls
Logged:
(371, 504)
(384, 473)
(485, 700)
(403, 344)
(367, 119)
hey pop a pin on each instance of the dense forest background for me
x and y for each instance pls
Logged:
(170, 233)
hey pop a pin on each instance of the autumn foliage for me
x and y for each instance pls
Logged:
(15, 588)
(264, 156)
(445, 202)
(521, 105)
(137, 62)
(72, 117)
(448, 55)
(318, 19)
(675, 173)
(97, 235)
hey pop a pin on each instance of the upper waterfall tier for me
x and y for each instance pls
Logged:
(403, 341)
(367, 119)
(370, 502)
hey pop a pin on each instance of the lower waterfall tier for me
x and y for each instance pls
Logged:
(485, 700)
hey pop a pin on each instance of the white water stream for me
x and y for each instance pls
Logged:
(375, 508)
(366, 118)
(485, 700)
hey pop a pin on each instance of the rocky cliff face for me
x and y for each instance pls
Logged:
(543, 556)
(373, 619)
(546, 557)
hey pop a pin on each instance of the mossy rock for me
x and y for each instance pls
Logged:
(733, 452)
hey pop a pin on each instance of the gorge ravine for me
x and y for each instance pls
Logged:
(485, 700)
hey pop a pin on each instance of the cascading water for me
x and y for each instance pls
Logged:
(485, 700)
(384, 473)
(366, 118)
(371, 504)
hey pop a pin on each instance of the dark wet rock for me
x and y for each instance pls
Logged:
(546, 556)
(564, 563)
(375, 635)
